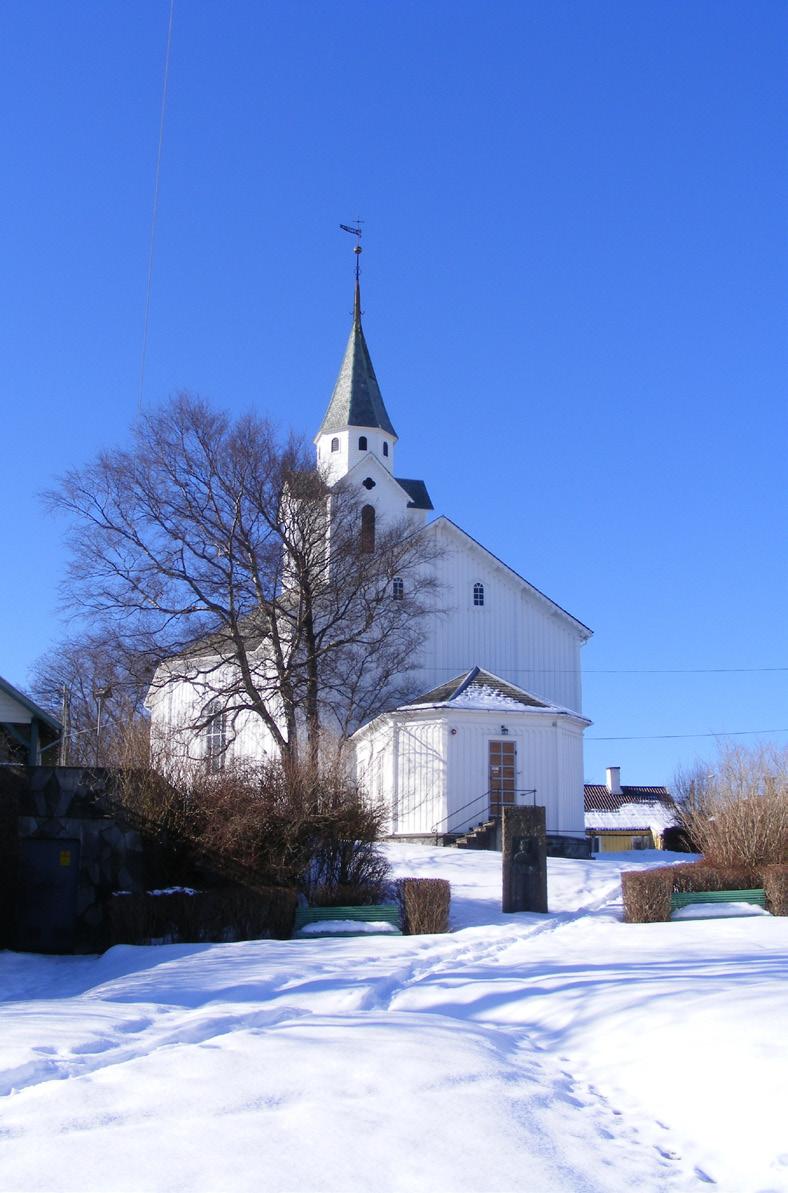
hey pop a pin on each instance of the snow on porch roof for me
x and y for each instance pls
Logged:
(483, 691)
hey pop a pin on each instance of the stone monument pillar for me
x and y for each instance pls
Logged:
(524, 860)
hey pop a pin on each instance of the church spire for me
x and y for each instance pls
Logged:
(356, 400)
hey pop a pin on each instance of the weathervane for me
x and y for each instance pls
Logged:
(355, 231)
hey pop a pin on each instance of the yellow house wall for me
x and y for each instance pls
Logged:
(620, 842)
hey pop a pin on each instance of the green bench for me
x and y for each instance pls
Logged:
(689, 898)
(375, 913)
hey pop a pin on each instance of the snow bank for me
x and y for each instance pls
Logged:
(567, 1052)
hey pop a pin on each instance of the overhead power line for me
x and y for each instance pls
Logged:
(673, 736)
(634, 670)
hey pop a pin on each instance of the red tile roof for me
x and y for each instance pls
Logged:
(597, 798)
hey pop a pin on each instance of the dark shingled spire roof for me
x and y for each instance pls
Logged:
(356, 400)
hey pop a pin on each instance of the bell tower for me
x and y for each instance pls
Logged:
(356, 423)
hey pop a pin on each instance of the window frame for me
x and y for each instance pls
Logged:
(478, 595)
(215, 737)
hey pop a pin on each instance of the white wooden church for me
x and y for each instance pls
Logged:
(495, 714)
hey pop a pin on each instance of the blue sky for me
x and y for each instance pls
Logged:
(574, 290)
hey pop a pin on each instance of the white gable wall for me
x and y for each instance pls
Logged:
(515, 634)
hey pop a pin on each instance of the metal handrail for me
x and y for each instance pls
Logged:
(491, 804)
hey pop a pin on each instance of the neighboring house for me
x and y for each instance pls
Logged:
(25, 729)
(621, 818)
(436, 754)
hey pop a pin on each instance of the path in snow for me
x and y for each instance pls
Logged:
(568, 1052)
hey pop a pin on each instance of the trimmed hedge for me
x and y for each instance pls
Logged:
(775, 884)
(702, 876)
(646, 895)
(221, 914)
(423, 904)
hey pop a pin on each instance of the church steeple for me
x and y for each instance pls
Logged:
(356, 400)
(356, 421)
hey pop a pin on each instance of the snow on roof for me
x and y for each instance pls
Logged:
(656, 815)
(484, 692)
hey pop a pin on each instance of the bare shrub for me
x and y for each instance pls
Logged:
(646, 895)
(775, 885)
(283, 825)
(424, 905)
(739, 815)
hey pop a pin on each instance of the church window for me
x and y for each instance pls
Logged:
(368, 528)
(478, 594)
(398, 588)
(362, 443)
(385, 448)
(215, 738)
(368, 483)
(335, 444)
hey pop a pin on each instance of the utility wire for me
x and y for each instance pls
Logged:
(155, 211)
(673, 736)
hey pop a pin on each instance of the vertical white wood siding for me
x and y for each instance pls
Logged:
(514, 634)
(430, 775)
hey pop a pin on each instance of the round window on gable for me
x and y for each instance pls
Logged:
(335, 444)
(362, 443)
(368, 483)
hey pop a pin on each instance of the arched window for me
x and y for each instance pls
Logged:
(368, 528)
(335, 445)
(385, 448)
(398, 588)
(362, 443)
(478, 593)
(215, 738)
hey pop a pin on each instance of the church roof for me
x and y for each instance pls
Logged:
(356, 400)
(417, 491)
(482, 691)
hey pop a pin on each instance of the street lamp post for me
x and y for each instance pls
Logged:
(101, 693)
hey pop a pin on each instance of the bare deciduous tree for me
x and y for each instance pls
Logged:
(222, 553)
(737, 810)
(89, 669)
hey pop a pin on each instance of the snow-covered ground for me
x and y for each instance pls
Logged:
(532, 1053)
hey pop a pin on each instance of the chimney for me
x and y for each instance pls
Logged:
(613, 780)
